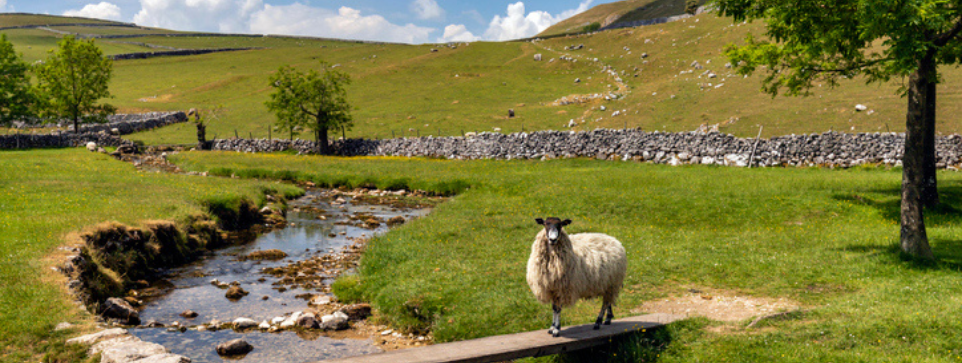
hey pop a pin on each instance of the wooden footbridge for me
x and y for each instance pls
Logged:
(502, 348)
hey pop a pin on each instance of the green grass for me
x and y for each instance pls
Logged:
(407, 90)
(113, 30)
(35, 44)
(40, 19)
(46, 194)
(824, 238)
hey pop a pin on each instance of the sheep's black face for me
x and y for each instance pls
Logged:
(552, 227)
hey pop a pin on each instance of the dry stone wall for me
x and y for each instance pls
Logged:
(120, 124)
(826, 149)
(35, 141)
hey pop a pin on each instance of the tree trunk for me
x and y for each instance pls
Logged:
(76, 124)
(930, 192)
(913, 238)
(322, 139)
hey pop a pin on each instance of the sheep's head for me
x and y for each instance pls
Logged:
(552, 227)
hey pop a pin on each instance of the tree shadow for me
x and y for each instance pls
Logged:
(644, 346)
(887, 201)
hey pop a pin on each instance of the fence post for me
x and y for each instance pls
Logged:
(250, 134)
(343, 133)
(419, 132)
(269, 134)
(392, 134)
(235, 134)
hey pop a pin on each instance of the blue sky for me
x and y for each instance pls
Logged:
(408, 21)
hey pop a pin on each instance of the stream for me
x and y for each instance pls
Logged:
(306, 236)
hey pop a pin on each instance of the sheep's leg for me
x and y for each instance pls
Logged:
(610, 316)
(555, 329)
(601, 315)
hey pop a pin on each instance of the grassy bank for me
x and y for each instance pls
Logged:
(824, 239)
(46, 194)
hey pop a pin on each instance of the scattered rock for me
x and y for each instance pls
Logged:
(264, 325)
(537, 57)
(189, 314)
(860, 107)
(271, 254)
(234, 347)
(62, 326)
(119, 309)
(236, 292)
(320, 300)
(244, 323)
(396, 220)
(356, 312)
(307, 321)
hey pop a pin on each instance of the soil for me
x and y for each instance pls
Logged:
(718, 305)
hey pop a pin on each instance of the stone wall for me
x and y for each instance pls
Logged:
(170, 53)
(123, 123)
(34, 141)
(826, 149)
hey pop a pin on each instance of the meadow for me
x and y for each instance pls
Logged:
(824, 239)
(408, 90)
(47, 194)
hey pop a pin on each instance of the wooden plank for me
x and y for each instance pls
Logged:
(513, 346)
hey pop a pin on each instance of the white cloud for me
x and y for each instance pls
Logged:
(299, 19)
(517, 24)
(230, 16)
(3, 4)
(103, 10)
(457, 33)
(427, 9)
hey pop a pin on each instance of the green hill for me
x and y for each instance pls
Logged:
(617, 12)
(411, 90)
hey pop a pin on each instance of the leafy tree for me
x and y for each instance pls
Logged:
(316, 101)
(73, 79)
(691, 6)
(825, 41)
(591, 27)
(17, 96)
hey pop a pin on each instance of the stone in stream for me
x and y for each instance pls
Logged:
(356, 312)
(235, 293)
(244, 323)
(307, 321)
(272, 254)
(264, 325)
(395, 221)
(320, 300)
(336, 321)
(234, 347)
(189, 314)
(119, 309)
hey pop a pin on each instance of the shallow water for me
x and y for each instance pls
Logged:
(307, 237)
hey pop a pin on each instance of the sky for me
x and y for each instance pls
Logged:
(404, 21)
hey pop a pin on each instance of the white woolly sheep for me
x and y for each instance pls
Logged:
(563, 269)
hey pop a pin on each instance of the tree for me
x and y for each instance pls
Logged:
(812, 41)
(691, 6)
(73, 79)
(17, 97)
(316, 101)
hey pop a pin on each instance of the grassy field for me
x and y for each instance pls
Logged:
(46, 194)
(40, 19)
(826, 239)
(407, 90)
(35, 44)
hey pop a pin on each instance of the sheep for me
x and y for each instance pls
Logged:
(563, 269)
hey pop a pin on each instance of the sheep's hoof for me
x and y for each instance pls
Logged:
(607, 322)
(597, 326)
(556, 333)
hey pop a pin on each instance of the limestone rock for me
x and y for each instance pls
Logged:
(189, 314)
(356, 312)
(244, 323)
(236, 292)
(115, 308)
(234, 347)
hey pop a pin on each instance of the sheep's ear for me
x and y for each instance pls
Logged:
(565, 222)
(539, 221)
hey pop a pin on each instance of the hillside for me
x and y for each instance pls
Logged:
(408, 90)
(617, 12)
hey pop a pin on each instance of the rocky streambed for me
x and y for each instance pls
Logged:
(274, 293)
